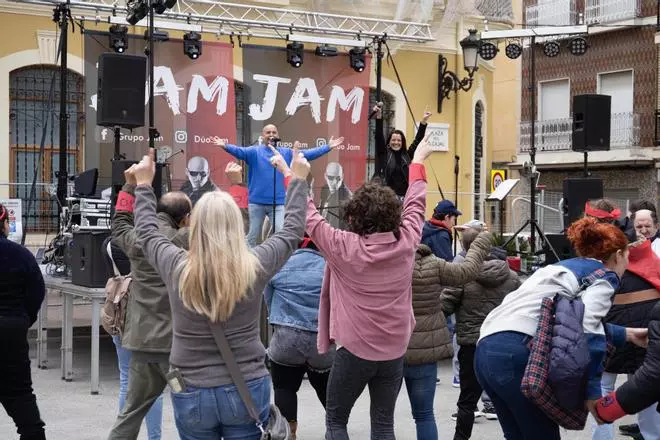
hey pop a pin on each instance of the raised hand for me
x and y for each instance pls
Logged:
(145, 170)
(423, 150)
(427, 115)
(278, 162)
(235, 173)
(379, 111)
(300, 167)
(334, 143)
(220, 142)
(129, 175)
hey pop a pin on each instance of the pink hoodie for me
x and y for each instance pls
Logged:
(366, 298)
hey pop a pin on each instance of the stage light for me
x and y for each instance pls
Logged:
(118, 38)
(578, 46)
(192, 45)
(326, 51)
(294, 54)
(513, 50)
(551, 49)
(357, 58)
(137, 10)
(488, 51)
(160, 6)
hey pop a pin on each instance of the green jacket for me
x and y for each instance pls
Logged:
(148, 326)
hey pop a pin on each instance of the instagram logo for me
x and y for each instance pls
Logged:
(320, 141)
(180, 136)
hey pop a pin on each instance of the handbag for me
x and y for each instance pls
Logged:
(535, 385)
(278, 427)
(542, 367)
(113, 312)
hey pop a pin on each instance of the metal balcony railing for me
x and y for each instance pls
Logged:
(608, 11)
(556, 134)
(551, 13)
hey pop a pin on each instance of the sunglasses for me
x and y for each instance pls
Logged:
(197, 173)
(333, 178)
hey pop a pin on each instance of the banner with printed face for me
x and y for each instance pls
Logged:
(321, 99)
(194, 103)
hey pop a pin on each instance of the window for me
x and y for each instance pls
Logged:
(389, 104)
(554, 100)
(619, 85)
(29, 90)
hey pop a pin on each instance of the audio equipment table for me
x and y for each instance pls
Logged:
(70, 291)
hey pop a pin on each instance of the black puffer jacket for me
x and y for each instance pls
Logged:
(627, 359)
(643, 389)
(474, 301)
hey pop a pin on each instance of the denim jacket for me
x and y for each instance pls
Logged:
(293, 294)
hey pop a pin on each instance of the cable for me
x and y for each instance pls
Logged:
(398, 78)
(42, 145)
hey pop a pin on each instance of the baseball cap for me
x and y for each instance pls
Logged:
(446, 207)
(472, 224)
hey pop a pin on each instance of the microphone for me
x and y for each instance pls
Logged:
(174, 154)
(273, 141)
(380, 107)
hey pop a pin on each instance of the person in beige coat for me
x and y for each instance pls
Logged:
(472, 303)
(430, 341)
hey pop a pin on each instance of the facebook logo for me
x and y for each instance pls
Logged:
(103, 134)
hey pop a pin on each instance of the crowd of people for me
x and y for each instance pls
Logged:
(373, 301)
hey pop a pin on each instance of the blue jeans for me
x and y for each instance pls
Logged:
(258, 214)
(500, 363)
(215, 413)
(420, 384)
(648, 419)
(154, 417)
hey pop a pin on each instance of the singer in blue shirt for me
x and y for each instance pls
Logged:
(261, 195)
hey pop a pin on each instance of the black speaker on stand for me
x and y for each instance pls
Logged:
(576, 194)
(121, 92)
(592, 119)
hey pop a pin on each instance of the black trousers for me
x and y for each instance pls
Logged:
(16, 394)
(470, 393)
(286, 383)
(348, 378)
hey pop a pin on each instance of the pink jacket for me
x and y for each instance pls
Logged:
(366, 298)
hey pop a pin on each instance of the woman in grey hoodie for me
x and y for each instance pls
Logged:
(218, 283)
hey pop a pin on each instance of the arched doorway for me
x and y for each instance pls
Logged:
(29, 113)
(478, 159)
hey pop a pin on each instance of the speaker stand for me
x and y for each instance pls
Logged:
(117, 144)
(586, 164)
(534, 225)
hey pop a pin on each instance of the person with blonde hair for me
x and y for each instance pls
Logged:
(217, 286)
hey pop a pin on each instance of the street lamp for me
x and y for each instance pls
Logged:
(448, 80)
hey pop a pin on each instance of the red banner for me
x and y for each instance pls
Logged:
(194, 101)
(322, 98)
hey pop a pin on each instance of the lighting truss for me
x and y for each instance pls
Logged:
(228, 18)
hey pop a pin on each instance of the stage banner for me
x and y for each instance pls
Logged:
(194, 104)
(324, 97)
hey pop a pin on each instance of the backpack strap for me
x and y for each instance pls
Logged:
(592, 278)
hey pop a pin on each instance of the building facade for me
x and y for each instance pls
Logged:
(621, 61)
(482, 126)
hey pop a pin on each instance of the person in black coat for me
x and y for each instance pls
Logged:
(394, 156)
(22, 291)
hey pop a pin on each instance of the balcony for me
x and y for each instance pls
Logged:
(609, 11)
(556, 134)
(552, 13)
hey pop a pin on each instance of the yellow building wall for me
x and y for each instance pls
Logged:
(419, 75)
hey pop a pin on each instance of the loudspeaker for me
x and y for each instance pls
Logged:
(576, 193)
(87, 265)
(561, 245)
(121, 90)
(591, 122)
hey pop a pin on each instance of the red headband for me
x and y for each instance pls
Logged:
(600, 214)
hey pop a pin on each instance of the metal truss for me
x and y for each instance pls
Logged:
(228, 18)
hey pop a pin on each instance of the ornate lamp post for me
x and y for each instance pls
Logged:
(448, 80)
